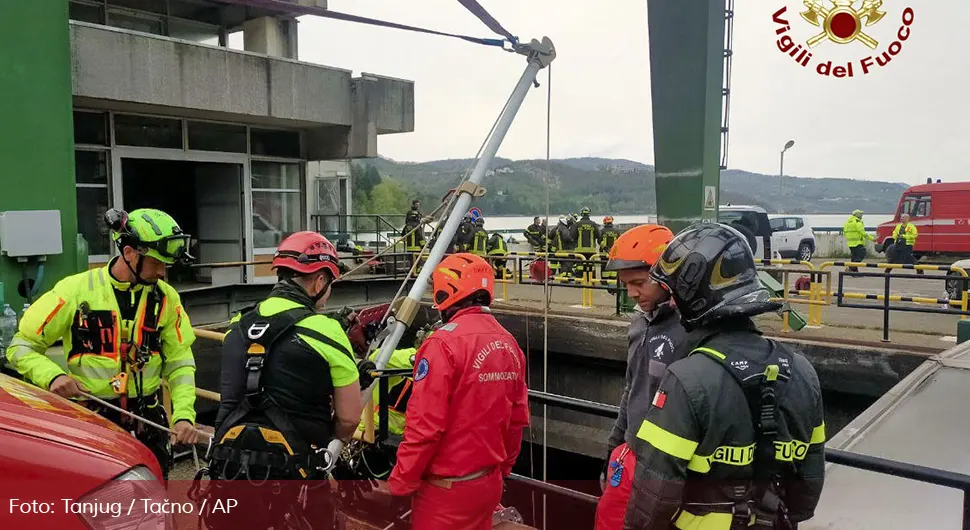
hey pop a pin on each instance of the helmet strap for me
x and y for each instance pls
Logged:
(135, 271)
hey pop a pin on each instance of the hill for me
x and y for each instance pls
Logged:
(626, 187)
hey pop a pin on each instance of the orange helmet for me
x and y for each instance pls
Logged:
(639, 247)
(608, 220)
(460, 276)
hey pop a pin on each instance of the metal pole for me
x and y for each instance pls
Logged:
(885, 310)
(781, 179)
(966, 509)
(539, 56)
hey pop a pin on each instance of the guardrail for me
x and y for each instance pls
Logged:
(888, 274)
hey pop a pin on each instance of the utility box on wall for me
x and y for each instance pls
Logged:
(28, 233)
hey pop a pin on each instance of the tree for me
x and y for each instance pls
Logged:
(389, 197)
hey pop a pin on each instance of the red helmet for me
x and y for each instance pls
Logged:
(459, 276)
(306, 253)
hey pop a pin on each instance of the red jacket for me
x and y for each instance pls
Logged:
(468, 405)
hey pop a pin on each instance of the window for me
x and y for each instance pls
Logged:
(91, 128)
(145, 131)
(91, 176)
(205, 136)
(193, 31)
(284, 144)
(278, 205)
(144, 23)
(916, 206)
(86, 12)
(792, 223)
(778, 224)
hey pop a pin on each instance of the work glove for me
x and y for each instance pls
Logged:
(364, 369)
(424, 332)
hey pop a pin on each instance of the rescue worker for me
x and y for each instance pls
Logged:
(124, 330)
(414, 228)
(463, 236)
(289, 386)
(479, 239)
(904, 236)
(498, 249)
(586, 233)
(468, 407)
(608, 236)
(734, 436)
(536, 236)
(437, 234)
(654, 337)
(563, 243)
(856, 237)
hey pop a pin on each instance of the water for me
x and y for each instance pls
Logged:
(501, 223)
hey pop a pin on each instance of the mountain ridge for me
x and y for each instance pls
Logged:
(621, 186)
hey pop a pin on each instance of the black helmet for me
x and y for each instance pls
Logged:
(710, 272)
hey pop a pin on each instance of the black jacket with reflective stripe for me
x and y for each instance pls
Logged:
(696, 442)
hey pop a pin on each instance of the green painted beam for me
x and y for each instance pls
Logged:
(36, 128)
(686, 70)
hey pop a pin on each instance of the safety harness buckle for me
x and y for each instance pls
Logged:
(741, 514)
(254, 364)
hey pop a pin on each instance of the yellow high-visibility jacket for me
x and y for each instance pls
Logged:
(80, 304)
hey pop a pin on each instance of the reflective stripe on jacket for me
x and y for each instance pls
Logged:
(699, 435)
(909, 234)
(60, 315)
(479, 245)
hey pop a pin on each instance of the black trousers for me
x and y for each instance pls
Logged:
(858, 253)
(150, 408)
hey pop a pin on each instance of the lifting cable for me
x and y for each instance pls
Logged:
(471, 5)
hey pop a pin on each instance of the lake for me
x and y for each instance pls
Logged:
(507, 223)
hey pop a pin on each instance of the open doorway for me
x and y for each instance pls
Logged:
(205, 198)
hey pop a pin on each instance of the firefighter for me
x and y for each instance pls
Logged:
(463, 236)
(398, 391)
(479, 239)
(468, 407)
(536, 236)
(904, 237)
(586, 233)
(498, 249)
(734, 436)
(414, 228)
(856, 237)
(124, 330)
(654, 337)
(608, 236)
(289, 385)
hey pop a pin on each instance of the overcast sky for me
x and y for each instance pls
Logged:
(902, 122)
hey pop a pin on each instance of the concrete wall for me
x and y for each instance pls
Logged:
(36, 138)
(129, 71)
(832, 245)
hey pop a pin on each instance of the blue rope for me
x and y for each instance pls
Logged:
(278, 5)
(479, 11)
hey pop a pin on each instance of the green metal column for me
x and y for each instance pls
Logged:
(36, 128)
(686, 69)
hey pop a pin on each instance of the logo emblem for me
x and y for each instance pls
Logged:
(843, 24)
(422, 370)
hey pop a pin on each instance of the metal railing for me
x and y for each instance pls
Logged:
(381, 230)
(887, 273)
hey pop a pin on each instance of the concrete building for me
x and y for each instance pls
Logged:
(242, 146)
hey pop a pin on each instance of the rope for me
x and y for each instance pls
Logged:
(548, 296)
(479, 11)
(289, 7)
(195, 453)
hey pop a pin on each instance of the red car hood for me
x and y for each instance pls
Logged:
(29, 410)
